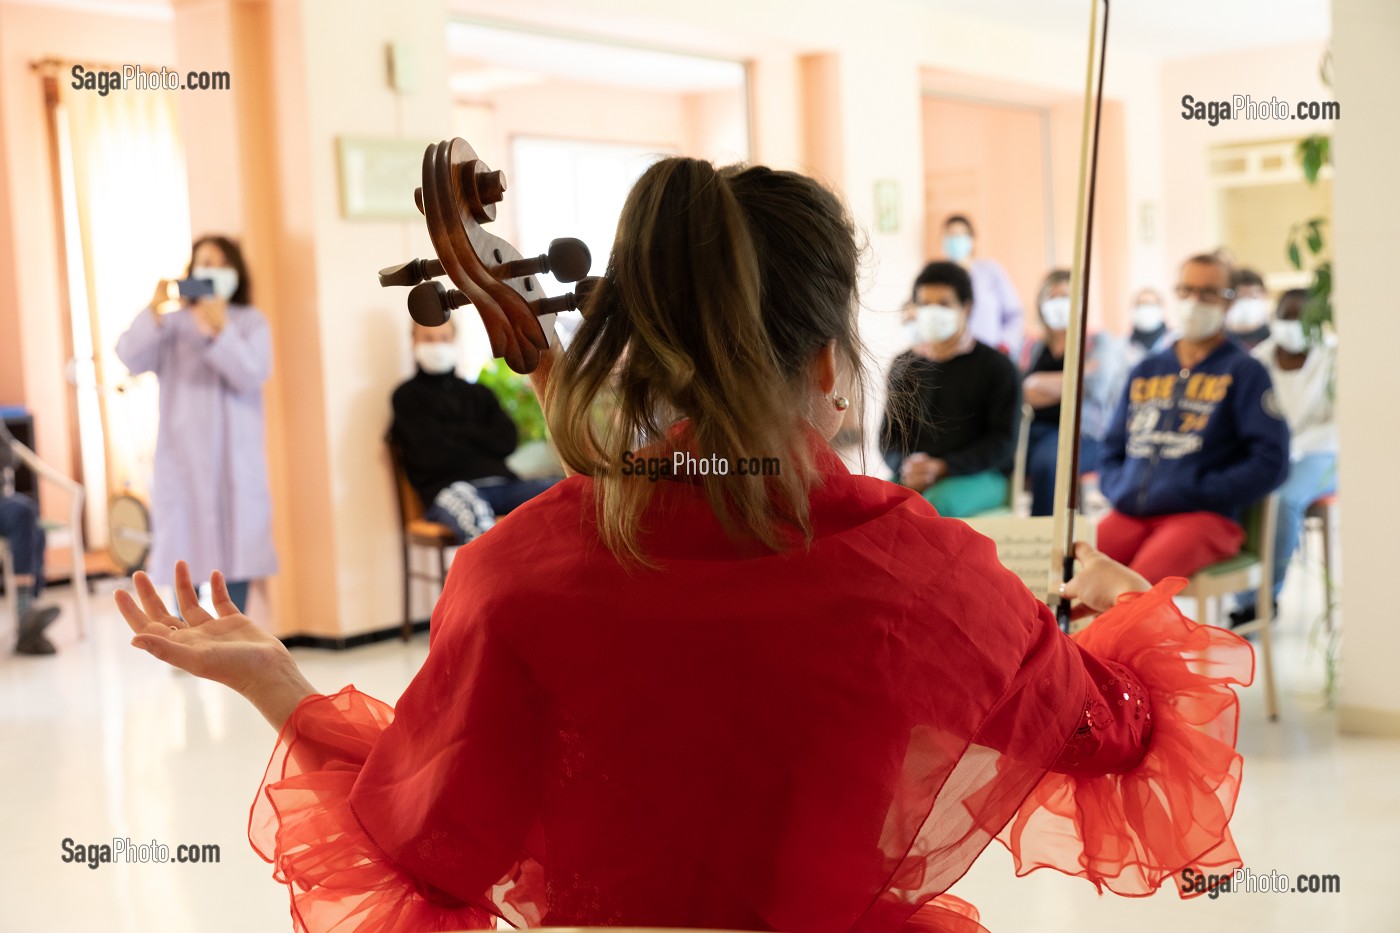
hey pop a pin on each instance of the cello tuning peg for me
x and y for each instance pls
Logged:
(571, 301)
(567, 258)
(410, 273)
(584, 289)
(430, 304)
(491, 186)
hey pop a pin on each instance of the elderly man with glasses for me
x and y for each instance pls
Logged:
(1196, 438)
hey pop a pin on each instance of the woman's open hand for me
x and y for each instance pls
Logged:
(1101, 579)
(229, 648)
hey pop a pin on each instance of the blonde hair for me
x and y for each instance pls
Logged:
(722, 287)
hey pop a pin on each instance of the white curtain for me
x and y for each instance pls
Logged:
(126, 212)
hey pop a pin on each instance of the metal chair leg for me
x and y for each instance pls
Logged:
(407, 632)
(1266, 645)
(1327, 579)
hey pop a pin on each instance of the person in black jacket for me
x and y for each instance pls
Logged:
(454, 438)
(954, 403)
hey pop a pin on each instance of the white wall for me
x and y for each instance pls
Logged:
(1366, 34)
(1288, 72)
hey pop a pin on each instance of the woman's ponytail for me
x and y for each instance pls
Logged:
(681, 328)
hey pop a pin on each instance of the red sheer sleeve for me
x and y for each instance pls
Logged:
(302, 823)
(412, 818)
(1148, 780)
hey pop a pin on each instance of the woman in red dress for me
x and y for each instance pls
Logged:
(761, 694)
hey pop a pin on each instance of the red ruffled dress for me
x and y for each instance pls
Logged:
(812, 741)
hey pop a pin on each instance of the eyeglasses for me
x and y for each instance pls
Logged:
(1210, 296)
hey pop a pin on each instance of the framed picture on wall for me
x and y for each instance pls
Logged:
(378, 177)
(887, 205)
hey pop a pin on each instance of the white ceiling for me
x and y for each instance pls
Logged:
(489, 56)
(1165, 28)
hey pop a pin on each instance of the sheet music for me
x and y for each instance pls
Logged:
(1024, 546)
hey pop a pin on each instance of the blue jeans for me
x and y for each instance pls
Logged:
(19, 526)
(238, 592)
(1042, 455)
(1309, 479)
(502, 497)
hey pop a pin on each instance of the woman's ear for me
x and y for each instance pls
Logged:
(824, 368)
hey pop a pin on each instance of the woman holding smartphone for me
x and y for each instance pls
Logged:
(210, 500)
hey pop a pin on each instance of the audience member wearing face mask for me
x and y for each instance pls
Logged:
(996, 318)
(1149, 333)
(1196, 438)
(454, 437)
(1304, 373)
(950, 427)
(1043, 386)
(210, 504)
(1247, 321)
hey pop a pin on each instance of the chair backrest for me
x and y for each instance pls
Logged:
(1018, 469)
(410, 505)
(1260, 524)
(1252, 521)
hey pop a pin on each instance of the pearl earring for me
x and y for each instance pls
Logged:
(841, 402)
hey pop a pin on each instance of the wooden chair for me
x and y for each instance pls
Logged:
(1319, 516)
(1019, 500)
(416, 532)
(1251, 569)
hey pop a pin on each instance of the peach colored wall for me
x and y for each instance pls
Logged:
(986, 162)
(205, 41)
(1288, 72)
(273, 181)
(30, 309)
(353, 354)
(11, 321)
(822, 153)
(716, 126)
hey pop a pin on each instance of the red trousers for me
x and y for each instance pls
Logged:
(1169, 545)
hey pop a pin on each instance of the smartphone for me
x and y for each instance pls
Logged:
(196, 288)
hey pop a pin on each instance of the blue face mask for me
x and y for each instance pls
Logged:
(957, 246)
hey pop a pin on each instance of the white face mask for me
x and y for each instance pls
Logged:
(1147, 317)
(1248, 314)
(1289, 335)
(225, 279)
(934, 324)
(1200, 321)
(436, 358)
(1055, 312)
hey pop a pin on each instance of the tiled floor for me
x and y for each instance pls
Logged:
(102, 741)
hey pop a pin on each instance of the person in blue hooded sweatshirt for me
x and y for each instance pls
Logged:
(1197, 437)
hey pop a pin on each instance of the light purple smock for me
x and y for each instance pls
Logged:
(997, 319)
(210, 504)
